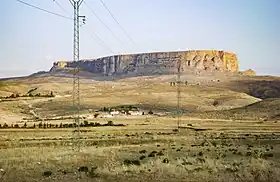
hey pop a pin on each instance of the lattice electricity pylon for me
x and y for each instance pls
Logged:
(178, 93)
(76, 80)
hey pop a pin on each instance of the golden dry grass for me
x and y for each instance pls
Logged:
(193, 156)
(234, 145)
(146, 92)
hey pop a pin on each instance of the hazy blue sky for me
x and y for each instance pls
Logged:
(31, 40)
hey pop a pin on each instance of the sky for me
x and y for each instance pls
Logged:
(31, 40)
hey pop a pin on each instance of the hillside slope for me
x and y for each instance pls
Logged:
(147, 93)
(268, 109)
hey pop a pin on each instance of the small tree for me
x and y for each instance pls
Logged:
(34, 126)
(52, 95)
(110, 123)
(60, 126)
(86, 123)
(150, 112)
(40, 125)
(44, 125)
(25, 125)
(5, 125)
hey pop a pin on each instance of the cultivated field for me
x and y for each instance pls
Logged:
(229, 130)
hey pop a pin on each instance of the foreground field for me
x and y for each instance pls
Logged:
(146, 149)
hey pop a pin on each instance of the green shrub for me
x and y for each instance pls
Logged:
(86, 123)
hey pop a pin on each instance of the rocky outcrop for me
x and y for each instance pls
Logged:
(249, 72)
(156, 63)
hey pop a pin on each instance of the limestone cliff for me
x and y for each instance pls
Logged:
(156, 63)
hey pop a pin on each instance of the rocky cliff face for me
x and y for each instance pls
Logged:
(156, 63)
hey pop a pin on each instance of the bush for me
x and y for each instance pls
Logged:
(5, 125)
(13, 96)
(132, 162)
(150, 112)
(95, 115)
(215, 103)
(105, 109)
(110, 123)
(86, 123)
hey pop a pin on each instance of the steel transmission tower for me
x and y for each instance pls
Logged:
(76, 80)
(179, 93)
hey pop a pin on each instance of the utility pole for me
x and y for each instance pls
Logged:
(76, 80)
(179, 93)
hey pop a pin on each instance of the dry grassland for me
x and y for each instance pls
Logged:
(225, 134)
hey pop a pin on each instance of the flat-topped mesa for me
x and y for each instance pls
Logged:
(156, 63)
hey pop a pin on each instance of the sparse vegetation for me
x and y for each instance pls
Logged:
(222, 149)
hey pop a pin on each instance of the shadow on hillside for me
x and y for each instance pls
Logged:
(89, 75)
(268, 109)
(262, 89)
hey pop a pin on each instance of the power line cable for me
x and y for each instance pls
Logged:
(61, 7)
(103, 22)
(47, 11)
(101, 42)
(105, 6)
